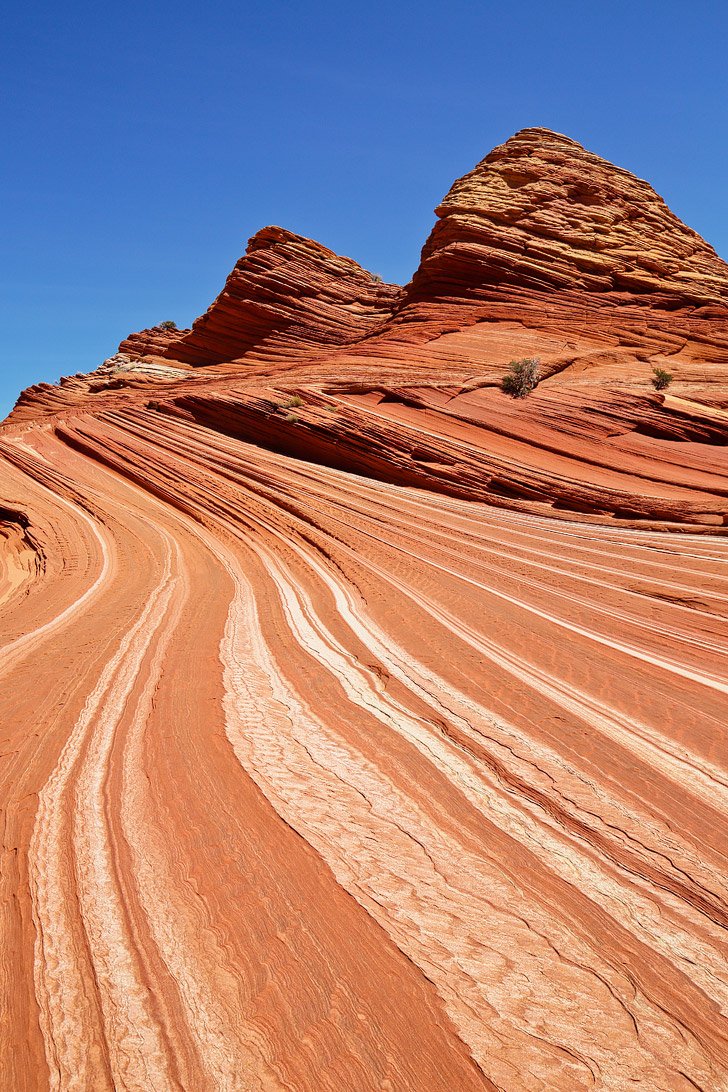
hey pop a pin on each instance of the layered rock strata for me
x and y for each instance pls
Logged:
(286, 297)
(549, 235)
(363, 727)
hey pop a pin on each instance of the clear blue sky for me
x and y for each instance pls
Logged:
(145, 142)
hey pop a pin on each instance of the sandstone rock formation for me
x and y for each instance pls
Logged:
(363, 727)
(287, 297)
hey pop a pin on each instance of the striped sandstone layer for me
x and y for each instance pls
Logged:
(546, 233)
(287, 297)
(361, 727)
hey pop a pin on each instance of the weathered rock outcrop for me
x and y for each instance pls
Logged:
(287, 297)
(545, 233)
(363, 727)
(154, 342)
(120, 375)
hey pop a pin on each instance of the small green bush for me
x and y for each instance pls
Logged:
(294, 403)
(168, 325)
(376, 278)
(661, 379)
(522, 377)
(292, 419)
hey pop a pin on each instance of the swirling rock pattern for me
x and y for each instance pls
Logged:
(363, 728)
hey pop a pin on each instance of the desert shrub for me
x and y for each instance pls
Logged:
(522, 377)
(376, 278)
(168, 325)
(661, 379)
(294, 403)
(153, 404)
(292, 419)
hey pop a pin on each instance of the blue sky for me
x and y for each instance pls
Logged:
(144, 143)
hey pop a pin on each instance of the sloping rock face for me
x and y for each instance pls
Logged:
(286, 297)
(154, 342)
(363, 727)
(548, 234)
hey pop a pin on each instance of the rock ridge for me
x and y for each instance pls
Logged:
(287, 296)
(544, 249)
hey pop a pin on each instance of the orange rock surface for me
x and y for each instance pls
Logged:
(363, 727)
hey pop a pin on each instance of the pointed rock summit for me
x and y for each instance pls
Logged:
(548, 235)
(287, 296)
(541, 236)
(542, 213)
(543, 251)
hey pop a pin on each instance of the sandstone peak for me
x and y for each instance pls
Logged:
(287, 295)
(541, 232)
(540, 211)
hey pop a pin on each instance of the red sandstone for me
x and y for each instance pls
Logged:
(364, 727)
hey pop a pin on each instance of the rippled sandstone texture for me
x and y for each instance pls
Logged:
(362, 727)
